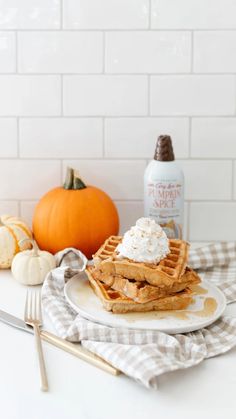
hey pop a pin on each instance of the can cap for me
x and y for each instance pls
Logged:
(164, 149)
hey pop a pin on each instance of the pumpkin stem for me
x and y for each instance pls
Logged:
(77, 182)
(69, 178)
(34, 245)
(73, 180)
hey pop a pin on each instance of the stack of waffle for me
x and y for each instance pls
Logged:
(125, 286)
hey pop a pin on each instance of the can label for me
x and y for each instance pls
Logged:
(165, 205)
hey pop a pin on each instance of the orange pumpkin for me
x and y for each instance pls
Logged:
(74, 215)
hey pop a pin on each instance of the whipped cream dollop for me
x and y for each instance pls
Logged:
(144, 242)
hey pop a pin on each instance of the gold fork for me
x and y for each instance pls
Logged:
(33, 317)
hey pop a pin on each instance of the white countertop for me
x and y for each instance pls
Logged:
(79, 390)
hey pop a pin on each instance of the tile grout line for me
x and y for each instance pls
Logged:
(103, 72)
(233, 183)
(235, 93)
(103, 53)
(188, 221)
(103, 139)
(190, 138)
(62, 96)
(149, 14)
(122, 74)
(135, 200)
(190, 117)
(121, 116)
(16, 52)
(17, 117)
(192, 53)
(61, 15)
(149, 96)
(137, 29)
(61, 169)
(119, 158)
(18, 137)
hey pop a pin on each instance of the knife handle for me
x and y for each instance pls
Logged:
(80, 352)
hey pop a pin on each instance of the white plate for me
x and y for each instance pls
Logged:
(81, 297)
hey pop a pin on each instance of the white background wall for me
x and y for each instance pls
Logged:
(91, 83)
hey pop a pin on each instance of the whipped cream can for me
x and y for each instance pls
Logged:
(164, 189)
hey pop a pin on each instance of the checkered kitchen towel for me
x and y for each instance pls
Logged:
(144, 355)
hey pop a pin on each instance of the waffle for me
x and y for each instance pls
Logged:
(168, 271)
(142, 292)
(117, 302)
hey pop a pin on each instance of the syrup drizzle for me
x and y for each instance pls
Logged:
(209, 308)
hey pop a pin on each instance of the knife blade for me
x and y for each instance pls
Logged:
(74, 349)
(15, 322)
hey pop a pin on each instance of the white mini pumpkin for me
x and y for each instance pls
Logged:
(31, 266)
(12, 231)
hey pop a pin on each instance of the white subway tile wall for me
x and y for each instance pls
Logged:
(8, 137)
(192, 94)
(212, 52)
(136, 137)
(193, 14)
(60, 138)
(30, 14)
(22, 95)
(105, 95)
(92, 83)
(207, 180)
(7, 52)
(161, 52)
(27, 179)
(60, 52)
(106, 14)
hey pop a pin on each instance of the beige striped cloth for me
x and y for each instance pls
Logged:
(144, 355)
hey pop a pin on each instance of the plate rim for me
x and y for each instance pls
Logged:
(131, 326)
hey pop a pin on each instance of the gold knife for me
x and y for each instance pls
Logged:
(73, 348)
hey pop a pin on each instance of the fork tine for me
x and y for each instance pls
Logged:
(30, 304)
(33, 309)
(32, 317)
